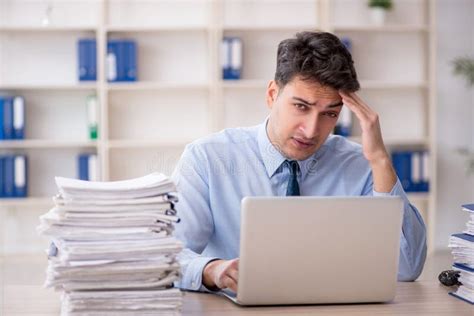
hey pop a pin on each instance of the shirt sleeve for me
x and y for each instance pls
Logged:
(196, 223)
(413, 237)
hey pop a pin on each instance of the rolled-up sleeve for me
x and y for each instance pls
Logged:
(196, 224)
(413, 237)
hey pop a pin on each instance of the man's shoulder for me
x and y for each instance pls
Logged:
(343, 147)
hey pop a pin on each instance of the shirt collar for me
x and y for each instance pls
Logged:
(272, 158)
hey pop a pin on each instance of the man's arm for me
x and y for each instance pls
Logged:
(385, 182)
(196, 225)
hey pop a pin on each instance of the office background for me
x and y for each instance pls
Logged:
(405, 67)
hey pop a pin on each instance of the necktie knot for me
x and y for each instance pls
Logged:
(293, 166)
(293, 188)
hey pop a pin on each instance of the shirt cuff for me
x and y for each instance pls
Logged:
(192, 280)
(397, 190)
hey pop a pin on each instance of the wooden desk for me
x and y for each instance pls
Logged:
(22, 294)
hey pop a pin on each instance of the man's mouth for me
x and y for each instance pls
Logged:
(303, 144)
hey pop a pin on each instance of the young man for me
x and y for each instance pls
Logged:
(291, 153)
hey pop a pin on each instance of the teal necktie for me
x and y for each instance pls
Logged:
(293, 188)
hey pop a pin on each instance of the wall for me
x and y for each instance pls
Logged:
(455, 117)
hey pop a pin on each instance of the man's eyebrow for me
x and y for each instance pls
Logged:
(303, 101)
(335, 105)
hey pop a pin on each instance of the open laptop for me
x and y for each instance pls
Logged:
(318, 250)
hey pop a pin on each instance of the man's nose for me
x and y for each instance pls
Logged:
(311, 127)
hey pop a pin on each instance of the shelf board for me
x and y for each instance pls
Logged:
(51, 28)
(39, 144)
(151, 29)
(28, 201)
(149, 85)
(74, 86)
(269, 28)
(379, 84)
(396, 141)
(244, 84)
(383, 28)
(132, 144)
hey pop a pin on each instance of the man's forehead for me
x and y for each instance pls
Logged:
(314, 88)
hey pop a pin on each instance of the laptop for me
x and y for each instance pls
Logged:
(318, 250)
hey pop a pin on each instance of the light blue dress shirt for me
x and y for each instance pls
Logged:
(216, 172)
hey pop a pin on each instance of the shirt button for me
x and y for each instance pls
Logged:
(193, 284)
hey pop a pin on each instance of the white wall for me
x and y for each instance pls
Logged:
(455, 117)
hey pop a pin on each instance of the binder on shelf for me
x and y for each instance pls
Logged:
(344, 123)
(231, 51)
(20, 176)
(7, 118)
(18, 118)
(412, 169)
(9, 176)
(130, 48)
(14, 176)
(12, 117)
(87, 167)
(121, 60)
(2, 176)
(2, 119)
(92, 114)
(87, 59)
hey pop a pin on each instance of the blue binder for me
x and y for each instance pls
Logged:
(20, 176)
(9, 176)
(121, 60)
(2, 177)
(83, 167)
(468, 207)
(130, 49)
(402, 164)
(2, 102)
(231, 58)
(87, 59)
(18, 118)
(8, 118)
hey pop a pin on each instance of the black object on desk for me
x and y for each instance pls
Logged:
(449, 277)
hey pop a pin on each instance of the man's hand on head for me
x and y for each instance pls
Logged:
(221, 274)
(372, 143)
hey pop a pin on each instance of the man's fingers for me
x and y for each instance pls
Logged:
(233, 273)
(230, 284)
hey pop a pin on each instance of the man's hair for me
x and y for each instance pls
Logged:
(317, 57)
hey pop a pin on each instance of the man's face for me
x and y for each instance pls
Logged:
(302, 116)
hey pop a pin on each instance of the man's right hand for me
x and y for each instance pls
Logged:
(221, 274)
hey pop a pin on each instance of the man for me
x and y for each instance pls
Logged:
(291, 153)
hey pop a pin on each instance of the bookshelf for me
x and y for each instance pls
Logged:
(180, 96)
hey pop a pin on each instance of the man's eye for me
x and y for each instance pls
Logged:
(301, 106)
(332, 114)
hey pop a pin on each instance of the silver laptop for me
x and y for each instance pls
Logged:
(318, 250)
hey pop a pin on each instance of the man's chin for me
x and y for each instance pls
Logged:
(301, 154)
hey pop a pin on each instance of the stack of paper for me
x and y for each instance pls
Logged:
(462, 248)
(112, 252)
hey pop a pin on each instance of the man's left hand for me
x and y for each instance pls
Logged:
(374, 150)
(372, 142)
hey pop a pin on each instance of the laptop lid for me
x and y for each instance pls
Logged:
(314, 250)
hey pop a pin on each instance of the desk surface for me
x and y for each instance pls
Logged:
(21, 293)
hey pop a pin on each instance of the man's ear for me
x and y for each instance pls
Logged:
(272, 93)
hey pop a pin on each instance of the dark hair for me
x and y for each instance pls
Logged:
(316, 56)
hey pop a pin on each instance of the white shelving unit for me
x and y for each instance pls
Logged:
(180, 95)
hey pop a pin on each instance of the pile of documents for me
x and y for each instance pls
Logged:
(462, 248)
(112, 252)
